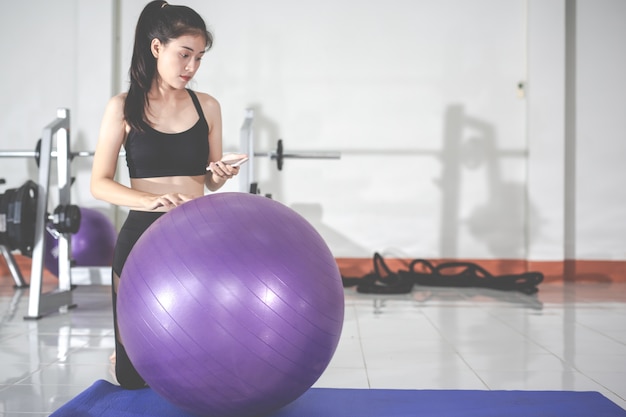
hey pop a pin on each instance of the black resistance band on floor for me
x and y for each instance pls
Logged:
(446, 274)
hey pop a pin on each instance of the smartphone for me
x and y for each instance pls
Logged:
(235, 162)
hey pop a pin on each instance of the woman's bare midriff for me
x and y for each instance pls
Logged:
(190, 186)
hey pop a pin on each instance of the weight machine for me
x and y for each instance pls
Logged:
(24, 218)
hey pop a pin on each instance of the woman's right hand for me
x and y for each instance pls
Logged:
(165, 202)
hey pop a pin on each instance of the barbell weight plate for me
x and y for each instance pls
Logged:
(73, 217)
(18, 211)
(10, 214)
(4, 207)
(66, 219)
(279, 155)
(25, 217)
(38, 152)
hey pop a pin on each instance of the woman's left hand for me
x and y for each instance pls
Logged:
(223, 169)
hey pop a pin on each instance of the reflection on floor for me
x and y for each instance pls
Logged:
(566, 337)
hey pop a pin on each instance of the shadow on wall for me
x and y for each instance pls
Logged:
(314, 214)
(502, 221)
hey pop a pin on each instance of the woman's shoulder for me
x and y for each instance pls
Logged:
(114, 112)
(208, 102)
(117, 102)
(205, 98)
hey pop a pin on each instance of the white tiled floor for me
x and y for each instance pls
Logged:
(567, 337)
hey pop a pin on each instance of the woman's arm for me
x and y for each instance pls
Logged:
(219, 172)
(110, 141)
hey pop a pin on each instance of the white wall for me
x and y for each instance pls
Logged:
(601, 130)
(546, 130)
(57, 54)
(401, 89)
(441, 157)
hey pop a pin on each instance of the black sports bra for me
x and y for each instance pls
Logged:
(155, 154)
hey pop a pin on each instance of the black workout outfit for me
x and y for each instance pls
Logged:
(152, 154)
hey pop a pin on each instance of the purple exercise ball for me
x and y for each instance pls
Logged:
(230, 305)
(92, 245)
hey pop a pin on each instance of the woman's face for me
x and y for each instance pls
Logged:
(179, 59)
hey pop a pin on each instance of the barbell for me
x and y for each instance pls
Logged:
(279, 154)
(18, 207)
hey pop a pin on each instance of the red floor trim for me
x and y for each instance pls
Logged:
(569, 271)
(553, 271)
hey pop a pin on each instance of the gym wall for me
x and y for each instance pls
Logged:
(450, 116)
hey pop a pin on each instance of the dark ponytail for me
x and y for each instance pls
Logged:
(164, 22)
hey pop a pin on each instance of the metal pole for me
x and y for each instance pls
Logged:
(13, 268)
(40, 304)
(53, 154)
(304, 155)
(64, 183)
(246, 143)
(17, 154)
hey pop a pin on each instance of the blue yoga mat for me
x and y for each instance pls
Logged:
(103, 399)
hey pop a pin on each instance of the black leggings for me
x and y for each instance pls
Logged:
(136, 223)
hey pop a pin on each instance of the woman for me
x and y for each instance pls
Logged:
(172, 137)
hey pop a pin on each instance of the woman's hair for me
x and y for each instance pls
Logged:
(162, 21)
